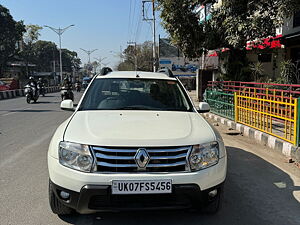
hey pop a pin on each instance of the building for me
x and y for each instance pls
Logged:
(269, 52)
(291, 38)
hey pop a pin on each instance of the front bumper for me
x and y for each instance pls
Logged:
(95, 198)
(75, 180)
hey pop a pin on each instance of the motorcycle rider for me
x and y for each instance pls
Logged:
(40, 82)
(67, 83)
(78, 86)
(41, 86)
(34, 84)
(66, 89)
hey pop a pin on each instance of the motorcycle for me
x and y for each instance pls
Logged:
(31, 93)
(42, 90)
(66, 93)
(78, 87)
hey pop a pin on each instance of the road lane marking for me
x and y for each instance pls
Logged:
(15, 155)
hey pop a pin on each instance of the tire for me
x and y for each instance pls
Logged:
(28, 99)
(56, 206)
(214, 206)
(72, 96)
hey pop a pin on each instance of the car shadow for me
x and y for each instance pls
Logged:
(49, 96)
(45, 102)
(256, 192)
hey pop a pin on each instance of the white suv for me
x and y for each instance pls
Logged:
(135, 141)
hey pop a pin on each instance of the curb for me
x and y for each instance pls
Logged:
(20, 92)
(274, 143)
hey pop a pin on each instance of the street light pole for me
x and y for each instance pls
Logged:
(89, 52)
(100, 61)
(60, 31)
(154, 38)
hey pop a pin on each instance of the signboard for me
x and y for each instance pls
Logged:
(171, 57)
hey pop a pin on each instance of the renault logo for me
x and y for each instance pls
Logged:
(141, 158)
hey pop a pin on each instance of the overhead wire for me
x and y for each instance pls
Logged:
(138, 29)
(129, 20)
(133, 20)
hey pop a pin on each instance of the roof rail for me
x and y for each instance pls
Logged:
(105, 71)
(166, 71)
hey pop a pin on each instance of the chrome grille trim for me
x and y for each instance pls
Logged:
(115, 150)
(103, 156)
(162, 159)
(134, 165)
(115, 165)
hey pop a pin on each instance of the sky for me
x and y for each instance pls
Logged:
(106, 25)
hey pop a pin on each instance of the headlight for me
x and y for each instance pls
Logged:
(203, 156)
(75, 156)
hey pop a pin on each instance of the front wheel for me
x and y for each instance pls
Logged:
(212, 207)
(56, 206)
(28, 99)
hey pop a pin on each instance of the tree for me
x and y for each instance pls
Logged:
(289, 72)
(10, 34)
(70, 60)
(29, 38)
(42, 54)
(32, 33)
(231, 25)
(143, 54)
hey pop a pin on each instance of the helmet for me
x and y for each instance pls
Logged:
(31, 78)
(40, 79)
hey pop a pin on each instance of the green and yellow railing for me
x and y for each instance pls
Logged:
(272, 112)
(221, 103)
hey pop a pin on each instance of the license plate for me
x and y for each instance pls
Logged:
(122, 187)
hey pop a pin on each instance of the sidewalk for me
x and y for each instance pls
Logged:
(20, 92)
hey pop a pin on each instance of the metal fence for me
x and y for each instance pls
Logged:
(271, 113)
(221, 103)
(262, 88)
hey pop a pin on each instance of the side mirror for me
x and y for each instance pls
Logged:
(203, 107)
(67, 105)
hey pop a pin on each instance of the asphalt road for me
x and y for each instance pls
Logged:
(261, 188)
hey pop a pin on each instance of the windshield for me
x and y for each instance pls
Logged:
(135, 94)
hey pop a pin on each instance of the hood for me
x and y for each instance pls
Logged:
(138, 128)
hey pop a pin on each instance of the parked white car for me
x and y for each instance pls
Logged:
(135, 141)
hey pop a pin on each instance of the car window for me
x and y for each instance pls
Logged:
(135, 94)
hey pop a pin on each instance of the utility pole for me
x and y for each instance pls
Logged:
(135, 54)
(89, 52)
(100, 61)
(60, 31)
(145, 18)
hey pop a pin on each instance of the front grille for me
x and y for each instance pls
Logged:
(163, 159)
